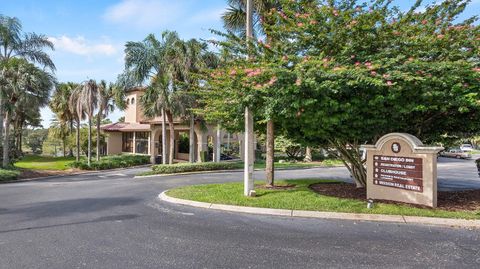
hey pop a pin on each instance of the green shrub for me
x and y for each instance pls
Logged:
(194, 167)
(112, 162)
(6, 175)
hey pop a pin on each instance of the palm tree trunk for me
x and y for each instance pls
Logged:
(98, 135)
(171, 149)
(78, 141)
(269, 168)
(89, 153)
(70, 154)
(6, 144)
(164, 138)
(63, 145)
(2, 110)
(15, 135)
(20, 139)
(191, 141)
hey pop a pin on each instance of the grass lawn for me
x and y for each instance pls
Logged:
(302, 198)
(44, 163)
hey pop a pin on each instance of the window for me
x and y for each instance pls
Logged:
(132, 101)
(141, 142)
(127, 142)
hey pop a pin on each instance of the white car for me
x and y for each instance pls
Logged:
(456, 153)
(466, 147)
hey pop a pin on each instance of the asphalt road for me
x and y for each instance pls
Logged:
(111, 220)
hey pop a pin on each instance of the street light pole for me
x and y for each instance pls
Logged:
(249, 143)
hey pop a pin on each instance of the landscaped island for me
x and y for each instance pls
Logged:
(307, 194)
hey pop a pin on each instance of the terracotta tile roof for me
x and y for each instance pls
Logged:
(125, 127)
(137, 88)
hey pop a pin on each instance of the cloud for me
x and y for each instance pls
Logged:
(145, 13)
(79, 45)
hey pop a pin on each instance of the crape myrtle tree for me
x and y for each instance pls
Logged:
(367, 70)
(234, 20)
(348, 72)
(238, 83)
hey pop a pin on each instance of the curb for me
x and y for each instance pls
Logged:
(232, 170)
(85, 172)
(326, 215)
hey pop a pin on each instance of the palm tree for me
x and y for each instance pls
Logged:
(59, 130)
(59, 104)
(108, 95)
(18, 79)
(15, 44)
(159, 62)
(234, 19)
(75, 107)
(196, 57)
(88, 103)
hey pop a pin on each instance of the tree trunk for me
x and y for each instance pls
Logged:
(70, 154)
(89, 152)
(2, 111)
(308, 155)
(191, 140)
(20, 139)
(164, 138)
(6, 144)
(351, 158)
(64, 147)
(78, 141)
(98, 135)
(171, 149)
(269, 168)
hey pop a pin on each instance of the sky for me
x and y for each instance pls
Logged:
(90, 35)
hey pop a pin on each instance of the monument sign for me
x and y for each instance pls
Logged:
(400, 168)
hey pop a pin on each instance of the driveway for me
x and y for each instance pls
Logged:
(111, 220)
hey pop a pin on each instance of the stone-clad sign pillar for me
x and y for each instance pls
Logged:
(400, 168)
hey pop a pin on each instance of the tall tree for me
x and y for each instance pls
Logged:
(59, 104)
(160, 63)
(75, 107)
(19, 79)
(26, 112)
(16, 44)
(234, 19)
(88, 99)
(59, 130)
(347, 73)
(108, 96)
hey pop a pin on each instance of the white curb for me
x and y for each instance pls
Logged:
(326, 215)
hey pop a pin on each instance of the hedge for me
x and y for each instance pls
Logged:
(193, 167)
(112, 162)
(7, 175)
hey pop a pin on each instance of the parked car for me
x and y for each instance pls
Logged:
(466, 147)
(456, 153)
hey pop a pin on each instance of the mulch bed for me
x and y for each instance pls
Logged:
(452, 201)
